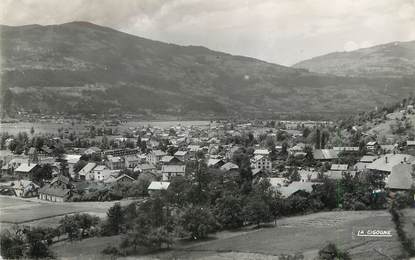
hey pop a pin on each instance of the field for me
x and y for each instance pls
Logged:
(295, 235)
(41, 213)
(79, 127)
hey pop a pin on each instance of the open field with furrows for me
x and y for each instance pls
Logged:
(295, 235)
(35, 212)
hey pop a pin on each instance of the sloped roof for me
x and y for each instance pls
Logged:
(339, 167)
(159, 185)
(261, 152)
(325, 154)
(54, 191)
(400, 177)
(173, 168)
(296, 186)
(60, 178)
(167, 158)
(72, 158)
(25, 167)
(124, 176)
(229, 166)
(158, 153)
(180, 153)
(387, 161)
(87, 168)
(100, 168)
(144, 167)
(213, 162)
(368, 158)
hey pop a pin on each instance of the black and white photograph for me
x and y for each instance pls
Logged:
(207, 129)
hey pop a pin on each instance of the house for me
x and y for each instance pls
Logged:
(154, 157)
(263, 152)
(229, 166)
(410, 144)
(167, 159)
(58, 190)
(114, 162)
(98, 170)
(92, 150)
(297, 148)
(171, 171)
(121, 152)
(26, 169)
(346, 149)
(25, 188)
(372, 146)
(402, 178)
(325, 154)
(385, 163)
(182, 155)
(123, 178)
(339, 167)
(261, 162)
(105, 174)
(72, 159)
(86, 172)
(131, 161)
(230, 152)
(157, 186)
(193, 149)
(215, 163)
(142, 168)
(294, 187)
(308, 175)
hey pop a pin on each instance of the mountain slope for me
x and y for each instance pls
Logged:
(80, 67)
(394, 59)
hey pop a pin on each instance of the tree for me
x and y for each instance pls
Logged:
(198, 221)
(294, 174)
(306, 132)
(241, 158)
(318, 139)
(79, 165)
(228, 211)
(78, 225)
(12, 244)
(44, 172)
(38, 241)
(115, 220)
(256, 211)
(32, 131)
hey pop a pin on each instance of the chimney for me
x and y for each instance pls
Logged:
(386, 159)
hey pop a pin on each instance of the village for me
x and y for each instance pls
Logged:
(299, 167)
(61, 168)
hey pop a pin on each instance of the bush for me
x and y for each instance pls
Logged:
(331, 252)
(111, 250)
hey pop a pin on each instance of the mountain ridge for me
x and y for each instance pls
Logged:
(80, 67)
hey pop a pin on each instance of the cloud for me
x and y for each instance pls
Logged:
(283, 31)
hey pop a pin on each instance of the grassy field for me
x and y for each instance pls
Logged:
(295, 235)
(36, 212)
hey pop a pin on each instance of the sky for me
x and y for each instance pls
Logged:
(278, 31)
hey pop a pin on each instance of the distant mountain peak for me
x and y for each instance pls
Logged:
(394, 59)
